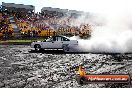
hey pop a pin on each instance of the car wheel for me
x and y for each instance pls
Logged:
(65, 47)
(37, 47)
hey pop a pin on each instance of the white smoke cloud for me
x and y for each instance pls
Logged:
(114, 36)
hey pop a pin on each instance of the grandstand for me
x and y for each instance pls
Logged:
(21, 21)
(48, 11)
(10, 13)
(17, 7)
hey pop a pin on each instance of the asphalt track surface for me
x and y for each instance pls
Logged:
(22, 67)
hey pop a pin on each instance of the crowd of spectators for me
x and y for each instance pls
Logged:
(37, 24)
(6, 30)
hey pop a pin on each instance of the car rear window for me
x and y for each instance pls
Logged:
(65, 39)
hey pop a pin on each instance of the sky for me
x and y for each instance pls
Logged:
(97, 6)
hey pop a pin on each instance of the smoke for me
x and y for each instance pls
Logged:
(111, 32)
(88, 18)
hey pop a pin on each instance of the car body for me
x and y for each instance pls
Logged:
(54, 42)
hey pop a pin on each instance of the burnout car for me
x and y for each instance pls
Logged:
(54, 42)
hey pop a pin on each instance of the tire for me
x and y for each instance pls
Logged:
(37, 47)
(65, 47)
